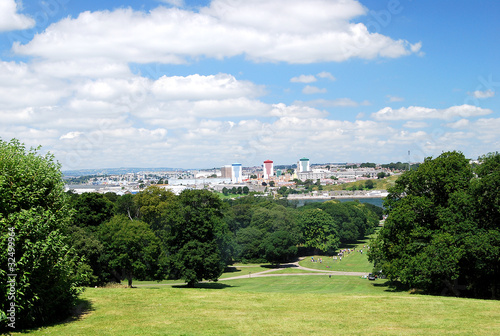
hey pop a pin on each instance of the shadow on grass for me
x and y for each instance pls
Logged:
(284, 265)
(231, 269)
(82, 307)
(392, 286)
(206, 285)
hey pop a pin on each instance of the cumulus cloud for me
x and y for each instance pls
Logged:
(309, 89)
(416, 124)
(482, 94)
(282, 110)
(393, 99)
(10, 19)
(305, 32)
(339, 102)
(196, 87)
(326, 75)
(303, 79)
(421, 113)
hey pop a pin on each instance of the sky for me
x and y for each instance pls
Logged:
(202, 84)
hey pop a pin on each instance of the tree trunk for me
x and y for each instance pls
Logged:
(129, 278)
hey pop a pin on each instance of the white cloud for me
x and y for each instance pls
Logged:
(309, 89)
(462, 123)
(482, 94)
(339, 102)
(416, 124)
(393, 99)
(282, 110)
(70, 135)
(303, 79)
(304, 32)
(196, 87)
(420, 113)
(326, 75)
(10, 19)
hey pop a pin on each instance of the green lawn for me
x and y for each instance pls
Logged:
(351, 262)
(285, 305)
(293, 304)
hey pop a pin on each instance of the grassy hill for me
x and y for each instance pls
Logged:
(289, 303)
(379, 184)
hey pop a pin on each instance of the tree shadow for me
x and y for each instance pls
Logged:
(82, 307)
(392, 286)
(284, 265)
(205, 285)
(231, 269)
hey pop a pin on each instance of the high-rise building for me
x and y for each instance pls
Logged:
(303, 165)
(226, 171)
(236, 173)
(268, 169)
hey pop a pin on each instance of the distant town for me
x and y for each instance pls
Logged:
(299, 180)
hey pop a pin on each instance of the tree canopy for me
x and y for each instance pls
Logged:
(192, 243)
(34, 215)
(131, 249)
(442, 233)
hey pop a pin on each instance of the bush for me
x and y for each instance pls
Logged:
(34, 215)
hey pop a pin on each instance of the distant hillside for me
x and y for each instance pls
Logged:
(379, 184)
(113, 171)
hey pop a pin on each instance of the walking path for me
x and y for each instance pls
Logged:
(294, 265)
(269, 273)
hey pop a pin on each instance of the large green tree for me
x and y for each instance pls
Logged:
(319, 230)
(92, 209)
(279, 246)
(192, 241)
(442, 230)
(131, 249)
(152, 203)
(34, 215)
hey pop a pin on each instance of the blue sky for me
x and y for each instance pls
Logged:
(200, 84)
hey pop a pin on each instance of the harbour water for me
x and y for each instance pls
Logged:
(378, 201)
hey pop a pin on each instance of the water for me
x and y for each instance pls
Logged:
(375, 201)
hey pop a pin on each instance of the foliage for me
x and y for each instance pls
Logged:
(131, 249)
(34, 215)
(279, 246)
(319, 230)
(92, 209)
(192, 242)
(442, 232)
(152, 202)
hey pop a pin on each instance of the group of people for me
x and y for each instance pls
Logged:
(341, 253)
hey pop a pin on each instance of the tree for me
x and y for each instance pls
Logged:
(271, 183)
(439, 235)
(34, 216)
(152, 203)
(381, 175)
(279, 246)
(225, 191)
(125, 205)
(246, 190)
(319, 230)
(92, 209)
(131, 249)
(192, 243)
(369, 184)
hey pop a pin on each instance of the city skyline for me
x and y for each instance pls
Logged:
(185, 84)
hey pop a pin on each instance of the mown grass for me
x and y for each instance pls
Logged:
(286, 305)
(354, 261)
(293, 304)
